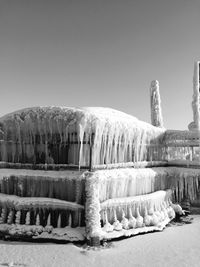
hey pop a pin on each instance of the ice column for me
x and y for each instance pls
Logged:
(92, 209)
(195, 102)
(156, 112)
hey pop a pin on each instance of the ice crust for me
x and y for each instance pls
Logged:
(117, 137)
(61, 135)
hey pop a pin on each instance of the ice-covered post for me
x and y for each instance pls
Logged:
(156, 111)
(196, 99)
(92, 209)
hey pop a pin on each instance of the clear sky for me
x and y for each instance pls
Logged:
(99, 53)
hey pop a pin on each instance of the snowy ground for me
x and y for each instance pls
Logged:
(175, 246)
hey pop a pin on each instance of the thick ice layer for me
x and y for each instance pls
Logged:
(152, 198)
(184, 182)
(38, 232)
(65, 185)
(40, 211)
(145, 210)
(63, 135)
(118, 183)
(19, 203)
(149, 201)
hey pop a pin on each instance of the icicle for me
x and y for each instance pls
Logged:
(10, 217)
(70, 220)
(162, 214)
(49, 219)
(59, 221)
(79, 218)
(139, 219)
(157, 212)
(154, 217)
(80, 138)
(78, 191)
(3, 215)
(147, 218)
(107, 226)
(124, 221)
(27, 218)
(116, 225)
(37, 220)
(18, 217)
(132, 220)
(164, 210)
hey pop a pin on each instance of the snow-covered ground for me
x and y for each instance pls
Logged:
(175, 246)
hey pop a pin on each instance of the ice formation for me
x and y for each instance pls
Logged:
(195, 125)
(55, 135)
(126, 172)
(156, 111)
(133, 215)
(120, 183)
(63, 185)
(39, 211)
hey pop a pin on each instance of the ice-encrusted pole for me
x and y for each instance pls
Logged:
(196, 98)
(156, 111)
(92, 209)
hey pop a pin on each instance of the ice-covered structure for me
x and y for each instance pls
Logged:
(94, 173)
(156, 112)
(195, 125)
(54, 135)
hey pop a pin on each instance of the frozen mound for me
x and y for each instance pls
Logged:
(62, 135)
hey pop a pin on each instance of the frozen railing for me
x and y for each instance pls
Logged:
(82, 137)
(42, 204)
(52, 151)
(183, 148)
(155, 155)
(56, 154)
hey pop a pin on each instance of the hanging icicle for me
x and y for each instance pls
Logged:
(139, 219)
(49, 220)
(124, 221)
(107, 226)
(18, 217)
(116, 225)
(28, 219)
(147, 218)
(132, 220)
(37, 220)
(70, 220)
(10, 217)
(59, 221)
(3, 215)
